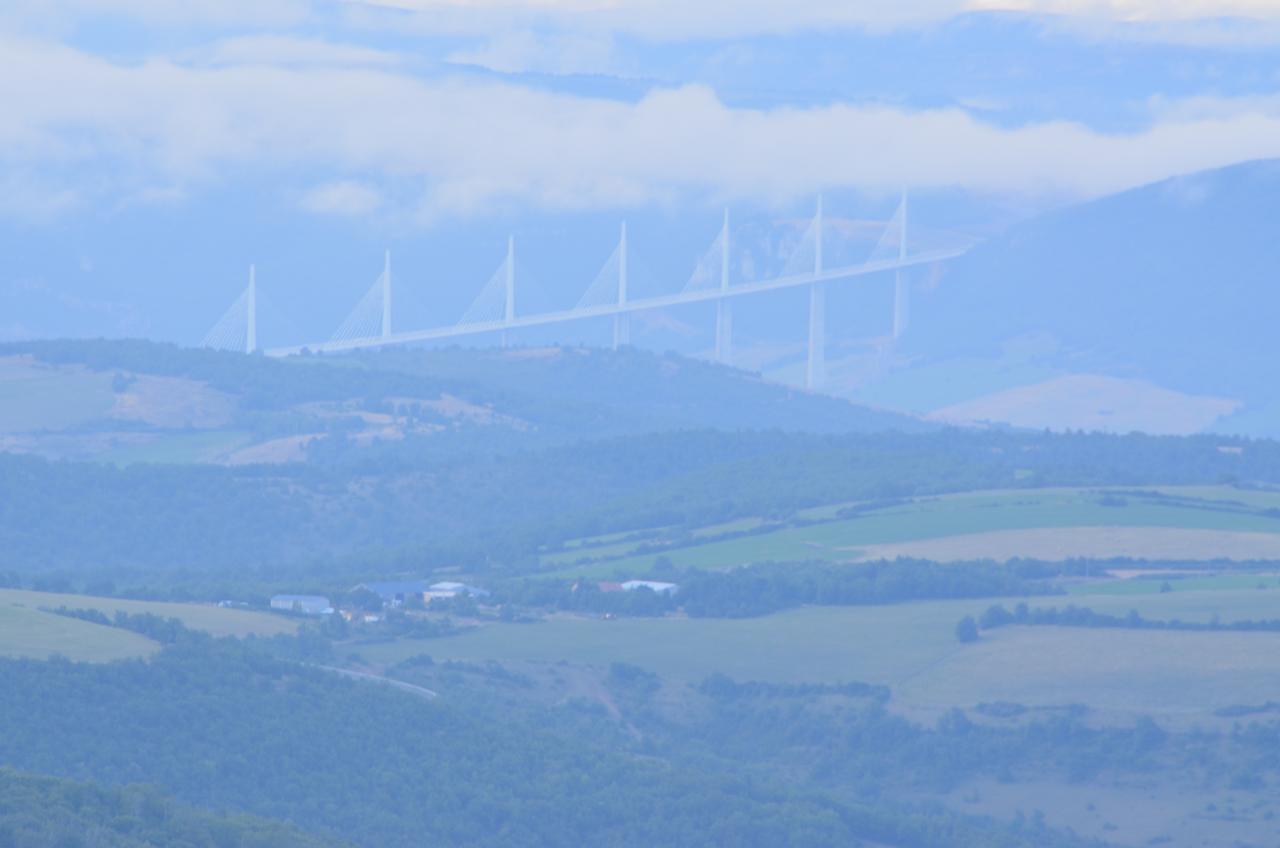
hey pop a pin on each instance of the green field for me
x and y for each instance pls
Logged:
(34, 397)
(912, 649)
(198, 446)
(27, 632)
(1198, 508)
(206, 617)
(1151, 585)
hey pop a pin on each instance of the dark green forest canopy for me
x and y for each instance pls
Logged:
(45, 812)
(221, 726)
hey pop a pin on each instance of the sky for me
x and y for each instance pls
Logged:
(151, 150)
(425, 109)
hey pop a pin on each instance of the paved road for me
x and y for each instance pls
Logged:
(420, 691)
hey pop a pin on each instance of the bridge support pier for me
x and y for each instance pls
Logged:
(251, 314)
(386, 296)
(724, 332)
(816, 366)
(509, 305)
(901, 305)
(723, 308)
(901, 286)
(622, 321)
(621, 331)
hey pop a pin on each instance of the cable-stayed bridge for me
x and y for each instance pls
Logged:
(494, 308)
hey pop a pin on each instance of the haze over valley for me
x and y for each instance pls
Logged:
(633, 424)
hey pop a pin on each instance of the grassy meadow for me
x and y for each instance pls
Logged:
(1214, 510)
(30, 633)
(214, 620)
(912, 648)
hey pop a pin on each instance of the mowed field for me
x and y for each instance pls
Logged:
(912, 649)
(27, 630)
(35, 396)
(1169, 523)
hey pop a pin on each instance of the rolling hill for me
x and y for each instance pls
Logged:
(1153, 309)
(127, 401)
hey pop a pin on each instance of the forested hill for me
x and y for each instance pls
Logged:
(45, 812)
(391, 511)
(123, 401)
(388, 769)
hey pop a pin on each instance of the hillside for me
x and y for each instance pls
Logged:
(44, 812)
(1152, 309)
(141, 401)
(389, 769)
(214, 532)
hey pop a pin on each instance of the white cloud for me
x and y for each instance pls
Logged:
(661, 19)
(677, 19)
(1139, 10)
(27, 197)
(345, 197)
(526, 50)
(469, 145)
(182, 13)
(283, 50)
(585, 20)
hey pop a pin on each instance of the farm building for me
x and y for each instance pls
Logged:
(449, 589)
(395, 593)
(652, 585)
(305, 604)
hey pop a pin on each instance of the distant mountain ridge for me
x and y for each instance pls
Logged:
(1172, 285)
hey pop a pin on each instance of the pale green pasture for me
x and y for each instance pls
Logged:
(38, 398)
(1256, 498)
(207, 617)
(1131, 671)
(912, 649)
(27, 632)
(940, 517)
(1155, 584)
(183, 447)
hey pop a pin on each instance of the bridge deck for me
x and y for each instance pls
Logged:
(641, 305)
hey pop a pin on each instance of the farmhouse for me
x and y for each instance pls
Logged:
(304, 604)
(450, 589)
(652, 585)
(395, 593)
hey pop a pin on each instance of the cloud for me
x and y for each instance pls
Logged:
(26, 196)
(466, 146)
(504, 21)
(659, 19)
(163, 13)
(290, 51)
(527, 50)
(681, 19)
(345, 197)
(1139, 10)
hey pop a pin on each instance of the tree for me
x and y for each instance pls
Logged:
(967, 629)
